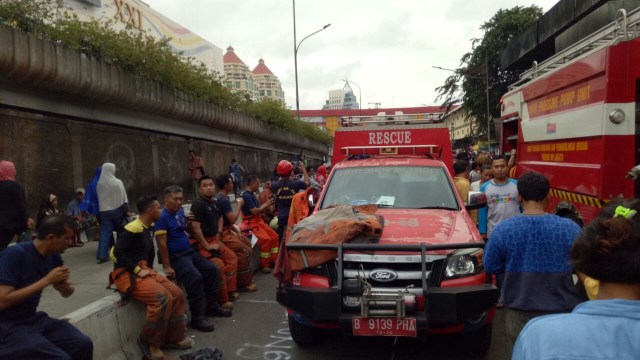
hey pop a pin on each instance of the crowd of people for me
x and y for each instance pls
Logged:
(534, 256)
(202, 249)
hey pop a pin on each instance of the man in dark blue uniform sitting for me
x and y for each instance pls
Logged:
(25, 270)
(180, 261)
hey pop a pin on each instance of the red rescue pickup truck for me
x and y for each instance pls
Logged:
(424, 276)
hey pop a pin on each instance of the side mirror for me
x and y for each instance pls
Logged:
(476, 200)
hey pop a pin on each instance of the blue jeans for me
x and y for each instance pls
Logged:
(110, 221)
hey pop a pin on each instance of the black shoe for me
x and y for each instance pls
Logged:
(202, 324)
(217, 311)
(101, 261)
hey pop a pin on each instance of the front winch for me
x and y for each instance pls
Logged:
(384, 304)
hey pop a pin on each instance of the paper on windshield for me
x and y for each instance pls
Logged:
(386, 200)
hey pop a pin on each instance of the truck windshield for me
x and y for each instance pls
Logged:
(404, 187)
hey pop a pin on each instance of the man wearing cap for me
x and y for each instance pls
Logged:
(79, 216)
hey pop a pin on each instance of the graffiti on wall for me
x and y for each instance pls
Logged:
(122, 156)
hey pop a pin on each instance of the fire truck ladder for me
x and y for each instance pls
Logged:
(624, 27)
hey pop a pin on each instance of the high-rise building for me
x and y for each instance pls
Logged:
(336, 99)
(268, 84)
(259, 84)
(341, 99)
(237, 75)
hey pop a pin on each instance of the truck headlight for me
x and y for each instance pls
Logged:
(464, 263)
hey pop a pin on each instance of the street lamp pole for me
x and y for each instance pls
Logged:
(359, 90)
(296, 46)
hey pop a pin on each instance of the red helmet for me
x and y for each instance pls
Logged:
(285, 168)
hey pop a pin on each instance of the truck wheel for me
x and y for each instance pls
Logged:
(303, 335)
(480, 340)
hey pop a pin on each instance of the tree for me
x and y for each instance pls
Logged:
(467, 86)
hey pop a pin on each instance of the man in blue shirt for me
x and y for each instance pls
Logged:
(285, 189)
(251, 211)
(74, 211)
(532, 250)
(180, 261)
(25, 270)
(608, 327)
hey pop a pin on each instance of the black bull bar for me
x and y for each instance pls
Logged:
(449, 305)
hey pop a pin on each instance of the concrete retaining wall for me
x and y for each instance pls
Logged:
(55, 155)
(113, 327)
(63, 114)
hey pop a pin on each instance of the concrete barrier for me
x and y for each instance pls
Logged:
(113, 325)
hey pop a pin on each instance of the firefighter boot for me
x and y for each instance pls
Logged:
(198, 319)
(215, 310)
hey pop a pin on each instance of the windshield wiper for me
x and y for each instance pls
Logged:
(439, 208)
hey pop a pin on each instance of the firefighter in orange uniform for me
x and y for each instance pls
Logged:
(251, 211)
(299, 209)
(206, 230)
(133, 255)
(231, 238)
(265, 195)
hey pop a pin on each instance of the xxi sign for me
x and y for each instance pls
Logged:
(129, 14)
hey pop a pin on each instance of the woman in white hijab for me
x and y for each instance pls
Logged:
(114, 209)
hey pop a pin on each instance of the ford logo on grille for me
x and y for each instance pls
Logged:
(383, 275)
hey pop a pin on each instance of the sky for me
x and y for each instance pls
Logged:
(387, 47)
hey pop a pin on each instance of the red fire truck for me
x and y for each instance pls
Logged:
(574, 118)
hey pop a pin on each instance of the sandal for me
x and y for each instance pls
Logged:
(183, 344)
(146, 351)
(249, 288)
(234, 296)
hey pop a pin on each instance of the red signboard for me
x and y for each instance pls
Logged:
(384, 326)
(403, 140)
